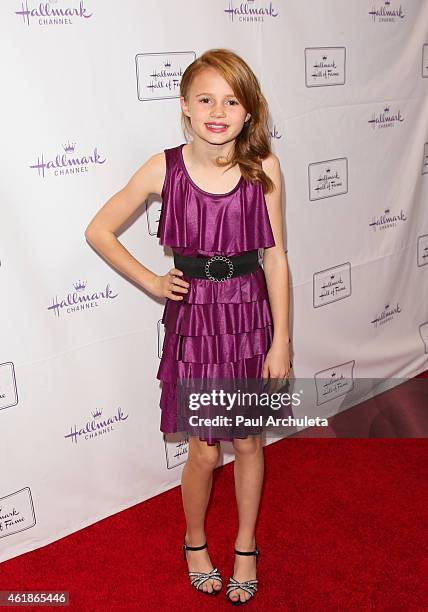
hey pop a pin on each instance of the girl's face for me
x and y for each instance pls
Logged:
(215, 112)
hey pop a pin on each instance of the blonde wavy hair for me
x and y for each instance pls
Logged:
(253, 143)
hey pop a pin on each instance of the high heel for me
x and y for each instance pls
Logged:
(250, 586)
(200, 577)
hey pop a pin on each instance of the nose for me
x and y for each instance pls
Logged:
(217, 111)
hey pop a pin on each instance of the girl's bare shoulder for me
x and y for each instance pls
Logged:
(152, 173)
(271, 164)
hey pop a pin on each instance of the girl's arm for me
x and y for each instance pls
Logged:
(275, 261)
(101, 231)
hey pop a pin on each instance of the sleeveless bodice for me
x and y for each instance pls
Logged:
(195, 222)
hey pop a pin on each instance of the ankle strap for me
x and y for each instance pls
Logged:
(251, 552)
(187, 547)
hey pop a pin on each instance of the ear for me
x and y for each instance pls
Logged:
(184, 106)
(247, 118)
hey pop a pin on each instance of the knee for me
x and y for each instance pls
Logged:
(247, 446)
(203, 455)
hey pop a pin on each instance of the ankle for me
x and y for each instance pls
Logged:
(196, 538)
(245, 544)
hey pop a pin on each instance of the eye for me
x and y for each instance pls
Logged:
(232, 102)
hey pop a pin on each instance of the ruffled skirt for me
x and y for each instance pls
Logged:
(218, 330)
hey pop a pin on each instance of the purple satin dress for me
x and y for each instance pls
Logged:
(219, 329)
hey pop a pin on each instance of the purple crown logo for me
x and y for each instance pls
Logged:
(333, 374)
(69, 147)
(387, 2)
(387, 210)
(80, 285)
(328, 169)
(167, 64)
(97, 414)
(386, 306)
(386, 109)
(324, 57)
(331, 277)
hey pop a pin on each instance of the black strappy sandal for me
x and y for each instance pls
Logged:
(250, 586)
(200, 577)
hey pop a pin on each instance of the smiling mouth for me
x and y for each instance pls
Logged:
(216, 125)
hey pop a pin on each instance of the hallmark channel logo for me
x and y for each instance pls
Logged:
(80, 299)
(251, 11)
(159, 74)
(67, 162)
(385, 118)
(96, 427)
(387, 220)
(325, 66)
(386, 315)
(44, 14)
(387, 12)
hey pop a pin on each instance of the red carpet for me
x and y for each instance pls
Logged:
(342, 526)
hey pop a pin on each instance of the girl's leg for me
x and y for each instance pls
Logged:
(196, 482)
(248, 472)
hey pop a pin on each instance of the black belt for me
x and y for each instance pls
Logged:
(219, 267)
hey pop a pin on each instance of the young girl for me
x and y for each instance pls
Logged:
(221, 196)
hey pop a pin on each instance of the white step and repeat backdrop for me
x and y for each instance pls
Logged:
(90, 91)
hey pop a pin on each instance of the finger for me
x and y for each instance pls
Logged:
(270, 387)
(172, 296)
(267, 386)
(175, 286)
(176, 272)
(179, 283)
(276, 384)
(279, 382)
(178, 288)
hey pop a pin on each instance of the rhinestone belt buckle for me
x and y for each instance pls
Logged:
(218, 258)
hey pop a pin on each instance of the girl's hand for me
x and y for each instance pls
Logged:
(277, 364)
(163, 286)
